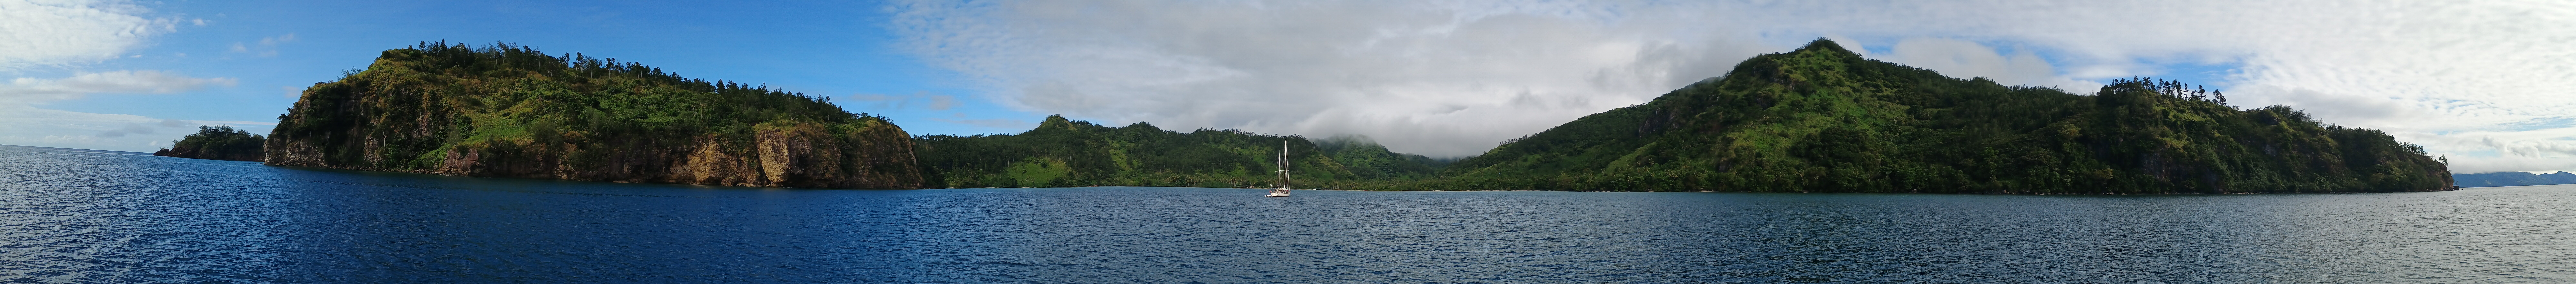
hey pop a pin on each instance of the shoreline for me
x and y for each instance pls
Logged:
(2029, 194)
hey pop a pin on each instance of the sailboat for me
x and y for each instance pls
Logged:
(1282, 190)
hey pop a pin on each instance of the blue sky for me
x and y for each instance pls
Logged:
(275, 48)
(2485, 82)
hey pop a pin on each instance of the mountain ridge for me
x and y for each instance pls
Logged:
(1823, 119)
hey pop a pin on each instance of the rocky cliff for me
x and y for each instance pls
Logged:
(511, 111)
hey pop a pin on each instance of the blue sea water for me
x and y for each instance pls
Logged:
(72, 216)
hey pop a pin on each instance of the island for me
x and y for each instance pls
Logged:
(1816, 119)
(505, 110)
(216, 142)
(1824, 119)
(1068, 153)
(2514, 179)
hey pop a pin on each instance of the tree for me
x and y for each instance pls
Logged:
(216, 142)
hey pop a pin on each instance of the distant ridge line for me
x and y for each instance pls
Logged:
(2496, 179)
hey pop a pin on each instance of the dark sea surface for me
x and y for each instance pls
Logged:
(111, 217)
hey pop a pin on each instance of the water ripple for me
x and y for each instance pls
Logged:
(95, 217)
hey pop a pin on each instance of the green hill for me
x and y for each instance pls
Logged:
(1066, 153)
(511, 111)
(1823, 119)
(216, 142)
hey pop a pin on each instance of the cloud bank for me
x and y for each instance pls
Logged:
(22, 123)
(23, 90)
(1441, 79)
(2486, 82)
(46, 34)
(56, 32)
(30, 126)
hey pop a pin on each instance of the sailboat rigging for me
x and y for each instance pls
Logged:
(1282, 190)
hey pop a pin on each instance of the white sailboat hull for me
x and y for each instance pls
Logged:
(1277, 192)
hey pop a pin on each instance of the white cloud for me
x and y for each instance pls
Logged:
(289, 37)
(1452, 78)
(1965, 59)
(21, 123)
(59, 32)
(267, 46)
(30, 126)
(1431, 78)
(68, 33)
(924, 100)
(31, 90)
(2524, 150)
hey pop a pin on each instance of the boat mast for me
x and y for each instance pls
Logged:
(1283, 163)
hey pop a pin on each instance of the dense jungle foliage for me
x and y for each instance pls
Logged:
(216, 142)
(1818, 119)
(1823, 119)
(512, 111)
(1065, 153)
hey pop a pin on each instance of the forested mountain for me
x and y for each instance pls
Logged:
(1818, 119)
(216, 142)
(1823, 119)
(2514, 179)
(1064, 153)
(511, 111)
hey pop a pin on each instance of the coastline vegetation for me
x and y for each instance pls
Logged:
(1819, 119)
(216, 142)
(511, 111)
(1068, 153)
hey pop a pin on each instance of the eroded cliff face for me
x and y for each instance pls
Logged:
(801, 155)
(509, 112)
